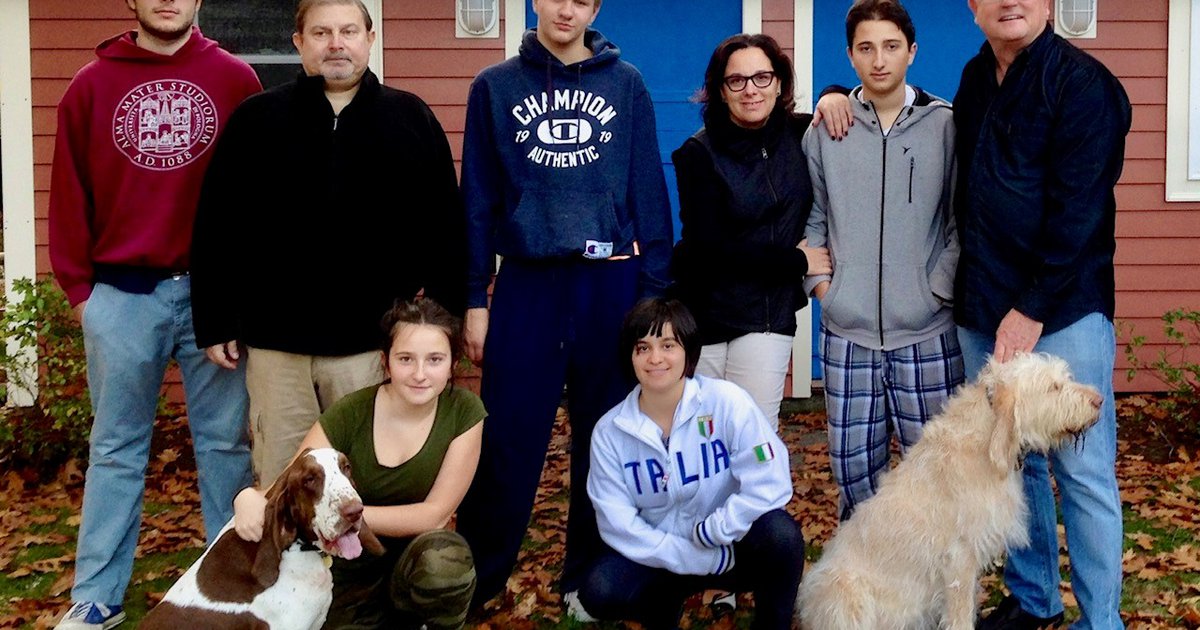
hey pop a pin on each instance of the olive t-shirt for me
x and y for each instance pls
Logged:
(349, 425)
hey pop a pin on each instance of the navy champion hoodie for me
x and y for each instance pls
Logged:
(561, 162)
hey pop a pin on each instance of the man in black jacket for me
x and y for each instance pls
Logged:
(328, 199)
(1041, 128)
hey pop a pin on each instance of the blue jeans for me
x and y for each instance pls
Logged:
(128, 338)
(1086, 477)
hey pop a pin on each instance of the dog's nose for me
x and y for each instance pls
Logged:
(352, 510)
(1096, 399)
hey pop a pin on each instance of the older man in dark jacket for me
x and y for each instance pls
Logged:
(1041, 129)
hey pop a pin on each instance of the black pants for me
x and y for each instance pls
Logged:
(769, 561)
(550, 323)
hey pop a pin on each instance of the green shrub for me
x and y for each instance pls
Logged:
(1177, 366)
(58, 424)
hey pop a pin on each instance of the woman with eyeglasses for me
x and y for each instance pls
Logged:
(744, 198)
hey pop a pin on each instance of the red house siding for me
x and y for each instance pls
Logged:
(1157, 263)
(1157, 260)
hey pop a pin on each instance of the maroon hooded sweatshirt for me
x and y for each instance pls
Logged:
(135, 133)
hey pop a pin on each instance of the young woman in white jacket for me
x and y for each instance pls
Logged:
(689, 482)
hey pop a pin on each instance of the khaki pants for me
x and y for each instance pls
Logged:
(289, 391)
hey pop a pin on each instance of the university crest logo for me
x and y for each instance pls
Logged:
(164, 125)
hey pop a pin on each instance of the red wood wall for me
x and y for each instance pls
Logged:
(1158, 267)
(1158, 258)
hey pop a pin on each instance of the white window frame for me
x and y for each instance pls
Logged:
(1183, 94)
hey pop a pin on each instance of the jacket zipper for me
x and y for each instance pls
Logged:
(882, 205)
(774, 199)
(912, 164)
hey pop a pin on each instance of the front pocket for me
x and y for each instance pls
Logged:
(908, 304)
(851, 302)
(562, 223)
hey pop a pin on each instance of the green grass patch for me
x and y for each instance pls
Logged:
(153, 508)
(1166, 538)
(158, 565)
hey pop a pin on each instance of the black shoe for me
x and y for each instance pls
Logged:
(1010, 616)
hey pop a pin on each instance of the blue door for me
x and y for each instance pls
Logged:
(670, 46)
(946, 38)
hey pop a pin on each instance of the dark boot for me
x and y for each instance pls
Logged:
(1010, 616)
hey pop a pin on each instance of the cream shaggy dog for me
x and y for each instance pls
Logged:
(910, 556)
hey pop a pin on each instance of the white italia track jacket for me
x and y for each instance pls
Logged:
(681, 508)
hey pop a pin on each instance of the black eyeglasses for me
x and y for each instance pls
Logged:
(737, 82)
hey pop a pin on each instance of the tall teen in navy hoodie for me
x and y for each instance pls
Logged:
(562, 178)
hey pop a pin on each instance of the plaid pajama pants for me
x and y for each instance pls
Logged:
(871, 394)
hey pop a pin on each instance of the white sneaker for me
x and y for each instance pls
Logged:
(90, 616)
(724, 603)
(575, 609)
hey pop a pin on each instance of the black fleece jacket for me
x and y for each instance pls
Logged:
(311, 224)
(1038, 158)
(744, 199)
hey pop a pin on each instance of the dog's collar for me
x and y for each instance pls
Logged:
(309, 546)
(304, 545)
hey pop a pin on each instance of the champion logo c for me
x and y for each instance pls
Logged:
(564, 131)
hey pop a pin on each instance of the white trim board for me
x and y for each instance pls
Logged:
(16, 127)
(1179, 101)
(375, 63)
(802, 59)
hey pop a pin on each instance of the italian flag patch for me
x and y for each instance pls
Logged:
(763, 452)
(705, 423)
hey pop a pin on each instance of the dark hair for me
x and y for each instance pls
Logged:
(423, 311)
(305, 5)
(715, 109)
(887, 10)
(647, 318)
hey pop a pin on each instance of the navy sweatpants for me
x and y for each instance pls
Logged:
(551, 323)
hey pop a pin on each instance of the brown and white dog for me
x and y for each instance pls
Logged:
(282, 582)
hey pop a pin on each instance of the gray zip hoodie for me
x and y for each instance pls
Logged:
(882, 205)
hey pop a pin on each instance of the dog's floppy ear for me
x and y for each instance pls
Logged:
(279, 530)
(1004, 446)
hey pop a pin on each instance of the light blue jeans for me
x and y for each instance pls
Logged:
(128, 338)
(1086, 477)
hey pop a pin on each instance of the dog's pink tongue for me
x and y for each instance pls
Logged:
(349, 546)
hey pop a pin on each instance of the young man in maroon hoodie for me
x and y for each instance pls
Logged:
(136, 129)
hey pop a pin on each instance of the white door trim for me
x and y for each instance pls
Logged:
(16, 127)
(802, 347)
(375, 62)
(752, 11)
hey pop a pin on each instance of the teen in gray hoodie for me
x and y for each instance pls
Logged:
(882, 205)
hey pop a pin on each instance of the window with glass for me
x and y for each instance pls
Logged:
(259, 33)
